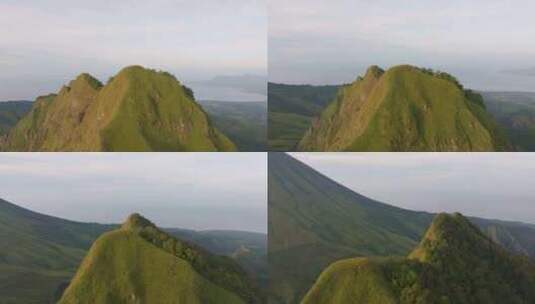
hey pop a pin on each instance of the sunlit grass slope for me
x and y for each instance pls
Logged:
(139, 263)
(454, 263)
(137, 110)
(404, 109)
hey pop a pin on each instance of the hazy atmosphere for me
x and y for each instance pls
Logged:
(183, 190)
(489, 185)
(487, 44)
(47, 43)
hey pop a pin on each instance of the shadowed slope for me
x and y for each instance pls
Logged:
(141, 264)
(137, 110)
(404, 109)
(39, 253)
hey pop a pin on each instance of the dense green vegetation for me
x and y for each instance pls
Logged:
(11, 112)
(245, 123)
(314, 221)
(39, 254)
(515, 112)
(404, 109)
(455, 263)
(291, 109)
(137, 110)
(140, 263)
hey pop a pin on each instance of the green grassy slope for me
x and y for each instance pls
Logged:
(404, 109)
(245, 123)
(11, 112)
(291, 109)
(137, 110)
(139, 263)
(314, 221)
(39, 253)
(454, 263)
(515, 112)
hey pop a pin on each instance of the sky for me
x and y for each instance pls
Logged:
(488, 185)
(200, 191)
(45, 44)
(487, 44)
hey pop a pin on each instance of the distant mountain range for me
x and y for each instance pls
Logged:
(137, 110)
(403, 108)
(39, 254)
(314, 221)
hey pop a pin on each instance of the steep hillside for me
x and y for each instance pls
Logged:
(11, 112)
(314, 221)
(404, 109)
(139, 263)
(515, 112)
(291, 109)
(245, 123)
(454, 263)
(39, 253)
(137, 110)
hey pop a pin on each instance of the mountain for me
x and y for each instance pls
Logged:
(11, 112)
(404, 109)
(291, 109)
(139, 263)
(314, 221)
(515, 112)
(454, 263)
(245, 123)
(39, 253)
(137, 110)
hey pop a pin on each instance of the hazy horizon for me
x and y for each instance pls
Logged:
(200, 191)
(487, 45)
(487, 185)
(44, 45)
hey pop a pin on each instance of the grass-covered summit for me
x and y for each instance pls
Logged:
(454, 263)
(137, 110)
(404, 109)
(139, 263)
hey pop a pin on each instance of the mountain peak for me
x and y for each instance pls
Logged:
(85, 79)
(136, 221)
(374, 71)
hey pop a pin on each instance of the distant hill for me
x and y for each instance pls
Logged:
(140, 263)
(291, 109)
(39, 254)
(404, 109)
(454, 263)
(11, 112)
(245, 123)
(137, 110)
(314, 221)
(515, 112)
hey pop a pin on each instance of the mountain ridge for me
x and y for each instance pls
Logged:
(136, 110)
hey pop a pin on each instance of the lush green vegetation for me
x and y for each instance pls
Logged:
(39, 254)
(515, 112)
(140, 263)
(11, 112)
(405, 109)
(245, 123)
(137, 110)
(454, 263)
(314, 221)
(291, 110)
